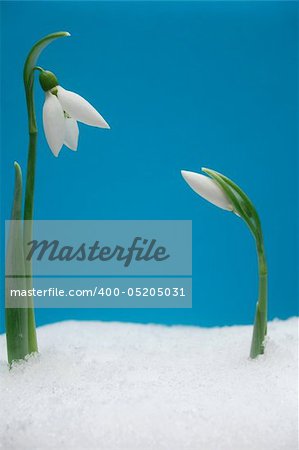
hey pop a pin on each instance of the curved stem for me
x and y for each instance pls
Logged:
(245, 209)
(29, 68)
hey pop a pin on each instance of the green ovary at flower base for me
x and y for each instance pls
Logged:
(62, 110)
(224, 193)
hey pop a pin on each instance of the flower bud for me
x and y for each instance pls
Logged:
(207, 188)
(47, 80)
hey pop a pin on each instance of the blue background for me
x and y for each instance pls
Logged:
(183, 85)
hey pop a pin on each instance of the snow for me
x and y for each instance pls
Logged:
(119, 386)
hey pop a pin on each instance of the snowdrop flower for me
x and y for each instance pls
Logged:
(61, 112)
(223, 192)
(207, 188)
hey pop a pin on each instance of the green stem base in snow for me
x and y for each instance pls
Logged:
(260, 321)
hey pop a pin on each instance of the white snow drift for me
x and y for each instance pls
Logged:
(117, 386)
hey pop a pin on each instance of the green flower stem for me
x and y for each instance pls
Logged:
(29, 200)
(260, 321)
(243, 206)
(28, 217)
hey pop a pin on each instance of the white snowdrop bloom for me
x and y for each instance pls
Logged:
(207, 188)
(62, 109)
(54, 123)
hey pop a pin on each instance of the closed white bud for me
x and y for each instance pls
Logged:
(207, 188)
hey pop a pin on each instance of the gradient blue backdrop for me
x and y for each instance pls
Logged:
(183, 85)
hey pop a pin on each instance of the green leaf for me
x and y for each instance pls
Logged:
(16, 318)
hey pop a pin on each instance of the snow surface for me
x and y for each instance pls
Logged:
(115, 386)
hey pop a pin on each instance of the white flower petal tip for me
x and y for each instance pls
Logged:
(207, 188)
(80, 109)
(71, 133)
(107, 126)
(53, 121)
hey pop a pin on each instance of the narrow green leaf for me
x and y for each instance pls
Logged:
(16, 318)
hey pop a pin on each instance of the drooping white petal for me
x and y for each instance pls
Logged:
(71, 133)
(207, 188)
(53, 120)
(79, 108)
